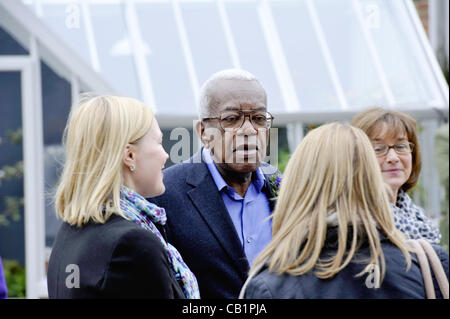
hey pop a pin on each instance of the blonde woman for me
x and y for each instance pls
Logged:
(109, 245)
(333, 231)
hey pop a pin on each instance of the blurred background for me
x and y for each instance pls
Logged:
(319, 61)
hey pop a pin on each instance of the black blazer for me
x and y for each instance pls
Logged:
(200, 227)
(118, 259)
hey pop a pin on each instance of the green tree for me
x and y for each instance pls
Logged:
(11, 204)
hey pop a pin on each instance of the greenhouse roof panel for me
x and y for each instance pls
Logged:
(310, 55)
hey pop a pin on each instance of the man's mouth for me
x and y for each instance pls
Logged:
(246, 148)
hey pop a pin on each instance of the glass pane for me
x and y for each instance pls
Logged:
(208, 45)
(400, 52)
(11, 173)
(252, 49)
(114, 49)
(350, 53)
(167, 67)
(9, 46)
(68, 26)
(56, 102)
(306, 63)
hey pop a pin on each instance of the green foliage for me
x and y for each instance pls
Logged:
(15, 278)
(283, 157)
(15, 137)
(445, 70)
(12, 171)
(12, 210)
(12, 204)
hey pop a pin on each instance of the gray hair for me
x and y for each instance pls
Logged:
(204, 108)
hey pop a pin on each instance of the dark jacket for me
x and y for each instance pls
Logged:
(398, 283)
(118, 259)
(199, 225)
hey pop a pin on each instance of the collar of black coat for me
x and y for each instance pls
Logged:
(332, 237)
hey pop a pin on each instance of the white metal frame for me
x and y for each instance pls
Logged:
(431, 58)
(327, 55)
(438, 22)
(33, 150)
(186, 49)
(90, 35)
(19, 20)
(278, 57)
(228, 34)
(374, 54)
(140, 60)
(43, 44)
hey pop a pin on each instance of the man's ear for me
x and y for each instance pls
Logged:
(200, 130)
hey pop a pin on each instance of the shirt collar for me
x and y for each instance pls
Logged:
(258, 178)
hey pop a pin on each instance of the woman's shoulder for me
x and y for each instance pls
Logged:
(259, 286)
(119, 230)
(269, 285)
(106, 236)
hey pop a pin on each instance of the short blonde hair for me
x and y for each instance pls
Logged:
(95, 137)
(370, 122)
(333, 170)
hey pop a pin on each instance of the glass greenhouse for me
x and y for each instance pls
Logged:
(319, 60)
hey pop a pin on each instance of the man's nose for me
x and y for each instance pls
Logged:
(247, 127)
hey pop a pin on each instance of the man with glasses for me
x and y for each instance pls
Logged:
(218, 202)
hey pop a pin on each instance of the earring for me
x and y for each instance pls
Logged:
(132, 167)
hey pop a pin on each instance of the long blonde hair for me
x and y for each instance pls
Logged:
(333, 170)
(97, 131)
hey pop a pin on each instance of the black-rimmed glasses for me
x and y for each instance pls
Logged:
(235, 119)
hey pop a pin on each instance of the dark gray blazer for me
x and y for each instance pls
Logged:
(200, 227)
(397, 283)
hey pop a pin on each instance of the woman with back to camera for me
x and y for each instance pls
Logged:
(109, 245)
(333, 231)
(394, 138)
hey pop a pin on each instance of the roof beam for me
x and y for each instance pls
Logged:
(19, 20)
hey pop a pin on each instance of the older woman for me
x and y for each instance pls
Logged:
(109, 245)
(394, 139)
(333, 231)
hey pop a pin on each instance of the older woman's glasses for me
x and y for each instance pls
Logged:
(400, 149)
(235, 119)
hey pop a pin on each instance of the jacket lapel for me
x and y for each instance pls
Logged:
(208, 202)
(267, 189)
(268, 171)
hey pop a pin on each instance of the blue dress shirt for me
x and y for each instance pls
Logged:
(249, 213)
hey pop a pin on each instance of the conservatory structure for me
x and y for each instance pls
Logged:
(319, 61)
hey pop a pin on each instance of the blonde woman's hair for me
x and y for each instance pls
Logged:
(333, 171)
(97, 131)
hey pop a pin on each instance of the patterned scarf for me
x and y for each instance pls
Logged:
(137, 209)
(412, 221)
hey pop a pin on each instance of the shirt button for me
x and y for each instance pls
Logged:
(249, 239)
